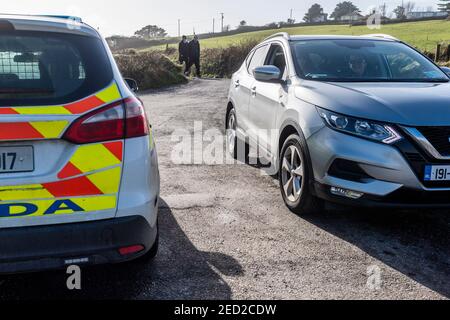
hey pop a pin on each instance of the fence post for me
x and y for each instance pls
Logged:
(438, 52)
(448, 53)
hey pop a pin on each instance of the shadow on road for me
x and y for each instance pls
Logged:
(180, 271)
(416, 244)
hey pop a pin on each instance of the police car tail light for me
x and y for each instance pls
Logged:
(136, 121)
(104, 124)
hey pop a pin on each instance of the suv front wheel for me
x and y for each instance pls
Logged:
(295, 177)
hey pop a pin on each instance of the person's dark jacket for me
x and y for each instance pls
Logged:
(194, 50)
(183, 50)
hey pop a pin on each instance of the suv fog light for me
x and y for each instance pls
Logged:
(346, 193)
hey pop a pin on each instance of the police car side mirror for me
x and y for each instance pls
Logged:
(132, 84)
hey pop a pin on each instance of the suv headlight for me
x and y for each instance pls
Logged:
(373, 130)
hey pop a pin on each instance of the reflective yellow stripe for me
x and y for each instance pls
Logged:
(96, 203)
(152, 141)
(35, 191)
(50, 129)
(93, 157)
(107, 181)
(48, 110)
(88, 205)
(109, 94)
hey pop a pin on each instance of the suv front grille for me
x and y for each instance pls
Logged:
(439, 137)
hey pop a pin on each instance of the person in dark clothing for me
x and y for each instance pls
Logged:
(194, 55)
(183, 51)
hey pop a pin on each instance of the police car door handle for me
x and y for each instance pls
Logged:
(237, 84)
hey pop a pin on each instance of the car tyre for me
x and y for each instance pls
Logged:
(234, 144)
(295, 176)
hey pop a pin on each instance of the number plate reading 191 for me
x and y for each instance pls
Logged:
(16, 159)
(437, 173)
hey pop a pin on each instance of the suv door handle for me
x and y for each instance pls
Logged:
(237, 84)
(253, 91)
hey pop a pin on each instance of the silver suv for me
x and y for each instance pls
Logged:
(354, 120)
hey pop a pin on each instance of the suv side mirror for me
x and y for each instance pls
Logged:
(267, 74)
(132, 84)
(446, 70)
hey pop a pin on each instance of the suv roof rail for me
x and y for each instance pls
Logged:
(381, 35)
(279, 34)
(64, 17)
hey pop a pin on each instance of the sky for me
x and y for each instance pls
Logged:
(125, 17)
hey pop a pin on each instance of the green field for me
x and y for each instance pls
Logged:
(423, 35)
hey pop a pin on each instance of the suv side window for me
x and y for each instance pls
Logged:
(257, 59)
(277, 58)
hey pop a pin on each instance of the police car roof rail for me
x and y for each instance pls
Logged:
(285, 35)
(63, 17)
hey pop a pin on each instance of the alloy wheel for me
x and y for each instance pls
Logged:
(292, 173)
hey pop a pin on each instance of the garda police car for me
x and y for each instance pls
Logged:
(79, 177)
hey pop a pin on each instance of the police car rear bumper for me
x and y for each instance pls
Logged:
(30, 249)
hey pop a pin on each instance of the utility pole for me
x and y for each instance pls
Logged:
(290, 16)
(179, 28)
(383, 10)
(214, 25)
(222, 19)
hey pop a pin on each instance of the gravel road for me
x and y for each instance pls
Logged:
(226, 234)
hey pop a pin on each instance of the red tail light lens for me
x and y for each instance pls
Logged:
(101, 125)
(122, 119)
(136, 120)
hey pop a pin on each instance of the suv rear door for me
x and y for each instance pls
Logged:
(48, 80)
(243, 84)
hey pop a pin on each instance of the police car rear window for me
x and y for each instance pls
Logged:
(40, 68)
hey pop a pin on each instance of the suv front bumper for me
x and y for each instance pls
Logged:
(38, 248)
(393, 173)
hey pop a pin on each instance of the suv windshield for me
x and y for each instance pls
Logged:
(38, 68)
(363, 61)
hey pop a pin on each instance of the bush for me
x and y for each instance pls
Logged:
(150, 69)
(223, 62)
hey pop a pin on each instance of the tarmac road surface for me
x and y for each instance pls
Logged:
(226, 234)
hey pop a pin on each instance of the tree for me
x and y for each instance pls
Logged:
(444, 5)
(273, 25)
(314, 12)
(242, 24)
(151, 32)
(400, 12)
(343, 9)
(290, 21)
(409, 7)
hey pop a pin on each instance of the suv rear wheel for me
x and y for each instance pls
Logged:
(295, 177)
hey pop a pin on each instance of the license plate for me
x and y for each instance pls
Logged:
(437, 173)
(16, 159)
